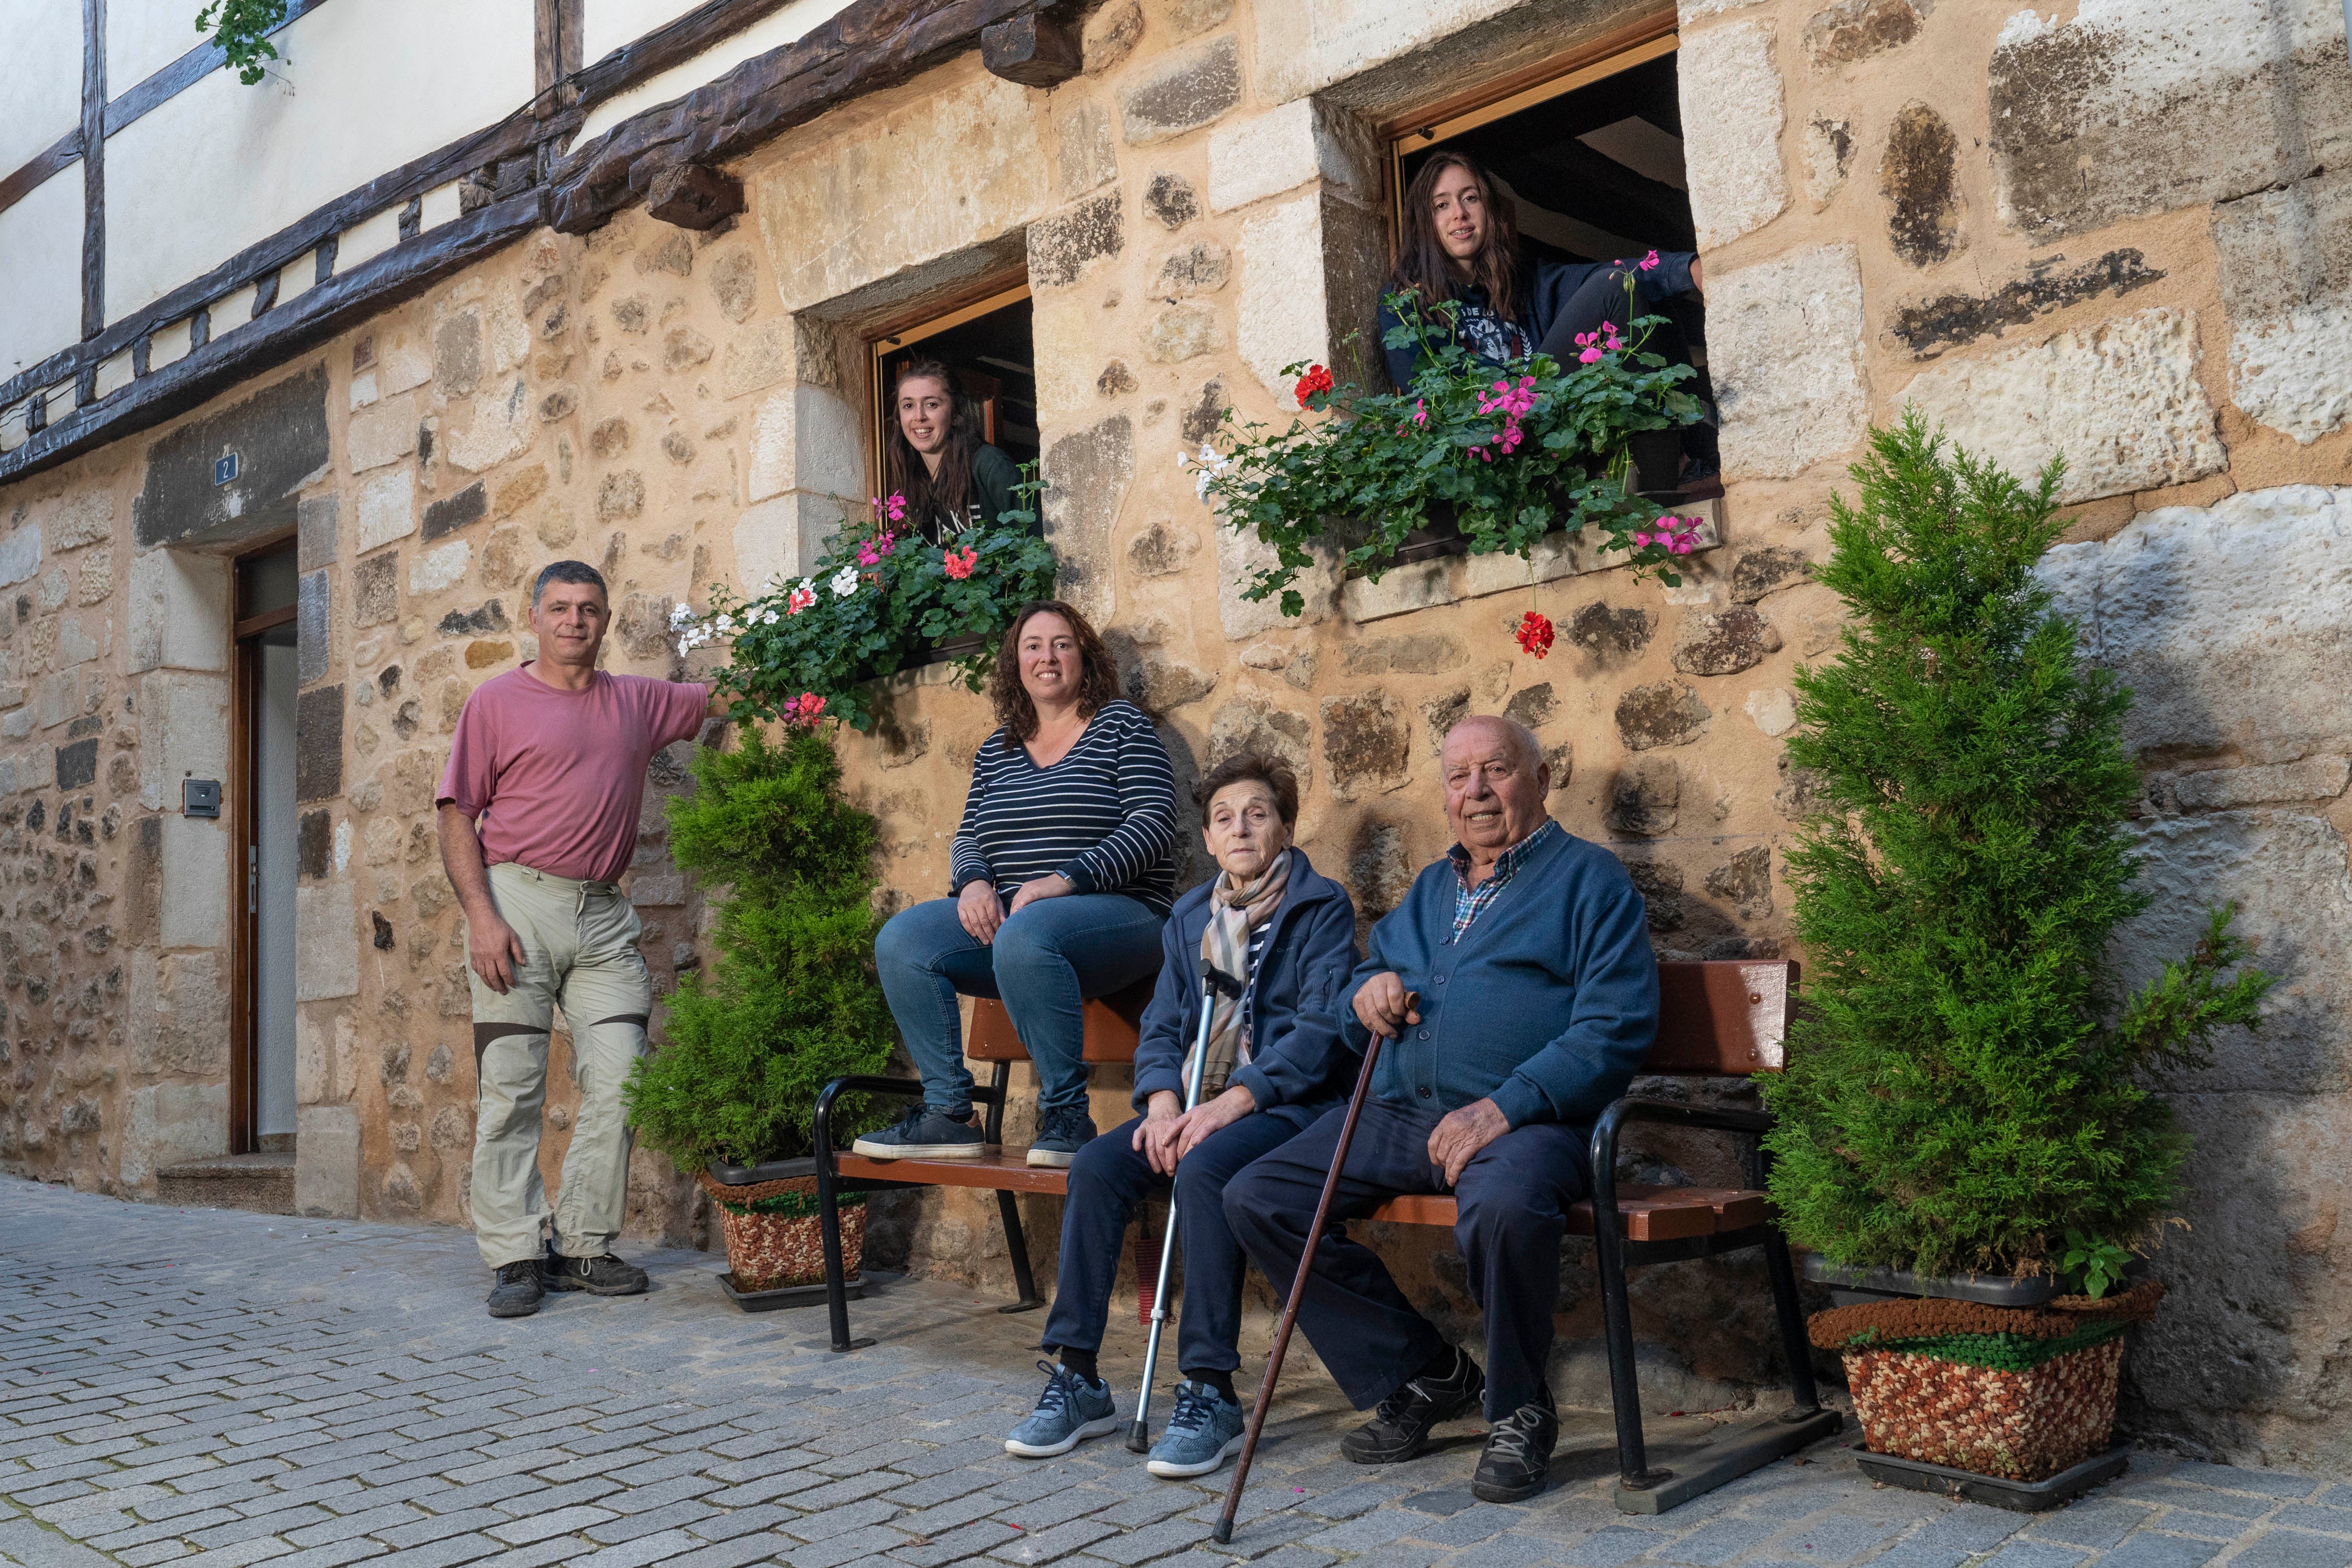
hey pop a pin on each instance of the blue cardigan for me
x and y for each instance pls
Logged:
(1549, 285)
(1296, 1055)
(1548, 1005)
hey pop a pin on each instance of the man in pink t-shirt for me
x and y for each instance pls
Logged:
(539, 819)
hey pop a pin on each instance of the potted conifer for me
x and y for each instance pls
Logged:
(790, 1004)
(1971, 1116)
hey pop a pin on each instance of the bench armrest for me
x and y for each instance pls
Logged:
(855, 1083)
(1671, 1112)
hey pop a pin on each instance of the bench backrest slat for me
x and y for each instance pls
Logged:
(1723, 1016)
(1111, 1025)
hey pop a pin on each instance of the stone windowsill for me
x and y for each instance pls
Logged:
(1450, 578)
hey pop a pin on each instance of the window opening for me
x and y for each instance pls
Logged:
(1590, 152)
(987, 344)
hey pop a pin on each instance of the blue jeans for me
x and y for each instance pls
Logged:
(1045, 961)
(1108, 1178)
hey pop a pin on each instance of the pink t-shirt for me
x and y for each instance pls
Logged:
(556, 778)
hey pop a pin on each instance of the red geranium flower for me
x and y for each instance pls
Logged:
(1535, 633)
(1317, 379)
(959, 566)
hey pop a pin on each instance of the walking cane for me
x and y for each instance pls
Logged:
(1213, 980)
(1224, 1533)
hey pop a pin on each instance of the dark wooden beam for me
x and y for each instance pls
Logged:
(93, 173)
(300, 325)
(1039, 49)
(22, 181)
(691, 197)
(673, 43)
(171, 81)
(555, 55)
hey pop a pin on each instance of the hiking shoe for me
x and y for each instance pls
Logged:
(1400, 1428)
(1070, 1411)
(1203, 1433)
(601, 1276)
(1060, 1135)
(518, 1291)
(924, 1134)
(1517, 1461)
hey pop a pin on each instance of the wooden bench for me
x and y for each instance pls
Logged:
(1716, 1020)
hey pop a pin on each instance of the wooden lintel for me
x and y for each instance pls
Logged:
(1039, 49)
(691, 197)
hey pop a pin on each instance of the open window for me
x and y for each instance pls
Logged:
(1591, 149)
(986, 343)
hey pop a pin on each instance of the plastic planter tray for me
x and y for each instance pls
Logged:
(787, 1295)
(1992, 1290)
(728, 1175)
(2019, 1497)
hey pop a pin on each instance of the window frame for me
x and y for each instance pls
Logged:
(936, 316)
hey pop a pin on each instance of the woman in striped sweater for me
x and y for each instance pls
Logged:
(1061, 874)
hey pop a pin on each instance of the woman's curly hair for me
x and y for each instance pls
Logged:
(1097, 681)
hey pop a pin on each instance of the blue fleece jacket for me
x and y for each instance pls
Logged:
(1548, 286)
(1295, 1054)
(1548, 1004)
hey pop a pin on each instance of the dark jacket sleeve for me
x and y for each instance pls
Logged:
(1612, 1016)
(993, 475)
(1304, 1052)
(1166, 1033)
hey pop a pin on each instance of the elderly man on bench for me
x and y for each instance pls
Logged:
(1518, 993)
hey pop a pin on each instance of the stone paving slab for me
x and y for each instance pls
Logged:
(221, 1389)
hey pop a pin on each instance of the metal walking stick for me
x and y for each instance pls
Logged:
(1213, 980)
(1224, 1533)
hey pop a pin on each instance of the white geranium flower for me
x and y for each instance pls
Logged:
(770, 618)
(725, 624)
(843, 583)
(808, 584)
(680, 617)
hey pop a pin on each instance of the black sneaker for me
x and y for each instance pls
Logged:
(518, 1291)
(602, 1276)
(923, 1134)
(1400, 1428)
(1516, 1464)
(1060, 1135)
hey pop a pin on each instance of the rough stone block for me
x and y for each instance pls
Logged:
(375, 590)
(451, 513)
(1399, 591)
(443, 566)
(195, 880)
(327, 941)
(1663, 713)
(178, 611)
(2120, 401)
(1089, 154)
(805, 438)
(1240, 557)
(1366, 743)
(184, 727)
(386, 509)
(1181, 92)
(383, 432)
(315, 533)
(1732, 117)
(1918, 174)
(2286, 280)
(83, 517)
(2312, 778)
(327, 1161)
(78, 764)
(319, 743)
(504, 424)
(314, 628)
(171, 1125)
(1644, 798)
(782, 538)
(2141, 106)
(1087, 476)
(1310, 276)
(1061, 246)
(280, 437)
(1784, 341)
(1305, 46)
(1774, 709)
(1723, 642)
(1284, 148)
(20, 555)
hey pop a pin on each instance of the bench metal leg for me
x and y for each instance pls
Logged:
(837, 1282)
(1634, 1472)
(1017, 1244)
(1804, 1398)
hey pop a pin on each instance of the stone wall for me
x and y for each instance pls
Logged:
(2056, 240)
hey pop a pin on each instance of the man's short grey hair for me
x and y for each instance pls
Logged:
(568, 571)
(1531, 750)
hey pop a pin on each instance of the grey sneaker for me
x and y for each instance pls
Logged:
(1203, 1433)
(518, 1291)
(923, 1134)
(1060, 1135)
(602, 1275)
(1070, 1411)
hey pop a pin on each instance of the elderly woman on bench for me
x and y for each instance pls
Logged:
(1275, 1063)
(1517, 990)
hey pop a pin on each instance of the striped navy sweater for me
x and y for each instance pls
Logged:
(1104, 816)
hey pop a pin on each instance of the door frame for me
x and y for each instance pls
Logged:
(245, 927)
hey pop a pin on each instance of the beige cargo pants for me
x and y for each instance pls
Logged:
(579, 949)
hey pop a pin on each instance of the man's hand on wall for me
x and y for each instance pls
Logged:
(1463, 1133)
(495, 950)
(1384, 1007)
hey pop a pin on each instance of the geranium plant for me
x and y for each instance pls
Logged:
(1509, 456)
(878, 601)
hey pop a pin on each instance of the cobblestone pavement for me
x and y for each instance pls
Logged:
(223, 1389)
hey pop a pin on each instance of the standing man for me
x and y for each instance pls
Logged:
(539, 819)
(1518, 994)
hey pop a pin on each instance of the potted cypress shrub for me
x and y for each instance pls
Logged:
(790, 1004)
(1972, 1114)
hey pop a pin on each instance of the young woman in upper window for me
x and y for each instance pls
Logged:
(951, 478)
(1461, 242)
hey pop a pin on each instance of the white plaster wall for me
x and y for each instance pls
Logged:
(40, 272)
(365, 88)
(606, 25)
(787, 25)
(142, 36)
(40, 88)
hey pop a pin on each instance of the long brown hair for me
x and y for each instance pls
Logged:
(1422, 264)
(905, 473)
(1098, 681)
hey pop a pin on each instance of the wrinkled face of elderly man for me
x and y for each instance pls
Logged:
(1496, 784)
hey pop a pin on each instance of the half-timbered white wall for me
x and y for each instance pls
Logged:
(363, 88)
(142, 36)
(40, 84)
(40, 272)
(785, 26)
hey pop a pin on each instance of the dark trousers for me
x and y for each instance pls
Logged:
(1512, 1209)
(1599, 298)
(1108, 1179)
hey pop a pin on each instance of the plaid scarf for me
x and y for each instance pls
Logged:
(1234, 914)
